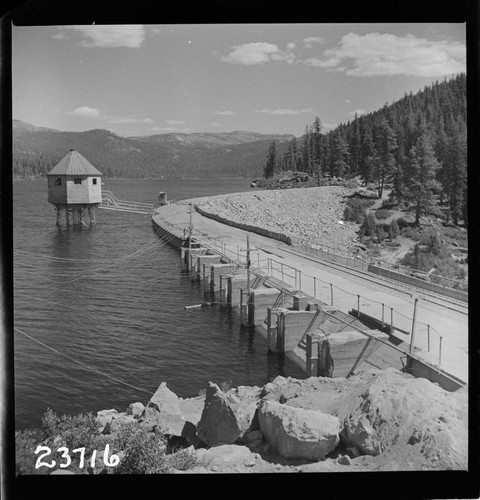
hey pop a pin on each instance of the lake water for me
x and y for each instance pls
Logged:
(112, 297)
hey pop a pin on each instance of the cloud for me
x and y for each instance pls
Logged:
(85, 112)
(330, 62)
(224, 113)
(282, 111)
(258, 53)
(311, 40)
(357, 112)
(59, 36)
(348, 101)
(216, 124)
(175, 122)
(377, 54)
(278, 111)
(129, 36)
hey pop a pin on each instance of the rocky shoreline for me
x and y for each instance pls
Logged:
(383, 420)
(313, 214)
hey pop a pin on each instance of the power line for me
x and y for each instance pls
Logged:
(80, 363)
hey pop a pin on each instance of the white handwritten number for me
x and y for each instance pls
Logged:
(65, 455)
(94, 458)
(82, 455)
(114, 458)
(39, 462)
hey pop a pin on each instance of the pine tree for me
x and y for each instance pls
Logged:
(317, 147)
(271, 165)
(386, 147)
(355, 146)
(306, 153)
(456, 174)
(340, 156)
(422, 169)
(368, 156)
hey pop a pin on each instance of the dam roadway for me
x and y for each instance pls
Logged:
(441, 325)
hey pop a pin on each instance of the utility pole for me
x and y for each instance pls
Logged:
(413, 324)
(248, 263)
(190, 230)
(248, 249)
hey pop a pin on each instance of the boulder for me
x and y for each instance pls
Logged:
(104, 417)
(163, 412)
(192, 408)
(361, 434)
(224, 418)
(136, 409)
(253, 436)
(344, 460)
(189, 433)
(298, 433)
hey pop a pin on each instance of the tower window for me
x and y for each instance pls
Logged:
(94, 181)
(58, 181)
(77, 180)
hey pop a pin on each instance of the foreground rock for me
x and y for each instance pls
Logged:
(224, 419)
(298, 433)
(376, 420)
(163, 412)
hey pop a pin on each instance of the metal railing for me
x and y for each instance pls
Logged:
(109, 199)
(448, 287)
(285, 276)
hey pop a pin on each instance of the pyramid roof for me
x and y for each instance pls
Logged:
(73, 163)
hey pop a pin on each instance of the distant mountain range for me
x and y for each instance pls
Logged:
(174, 155)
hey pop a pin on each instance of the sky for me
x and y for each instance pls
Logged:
(139, 80)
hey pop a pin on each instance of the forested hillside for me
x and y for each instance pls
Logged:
(36, 150)
(416, 146)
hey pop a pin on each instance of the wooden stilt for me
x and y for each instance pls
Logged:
(91, 214)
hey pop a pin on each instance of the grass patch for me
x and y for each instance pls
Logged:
(431, 254)
(381, 213)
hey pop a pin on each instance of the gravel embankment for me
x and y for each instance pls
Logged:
(310, 214)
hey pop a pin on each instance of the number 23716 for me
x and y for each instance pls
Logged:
(44, 451)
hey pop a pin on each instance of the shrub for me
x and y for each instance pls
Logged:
(423, 261)
(412, 233)
(72, 432)
(455, 234)
(369, 226)
(393, 229)
(381, 234)
(402, 222)
(79, 431)
(181, 460)
(26, 443)
(431, 240)
(143, 450)
(381, 213)
(355, 211)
